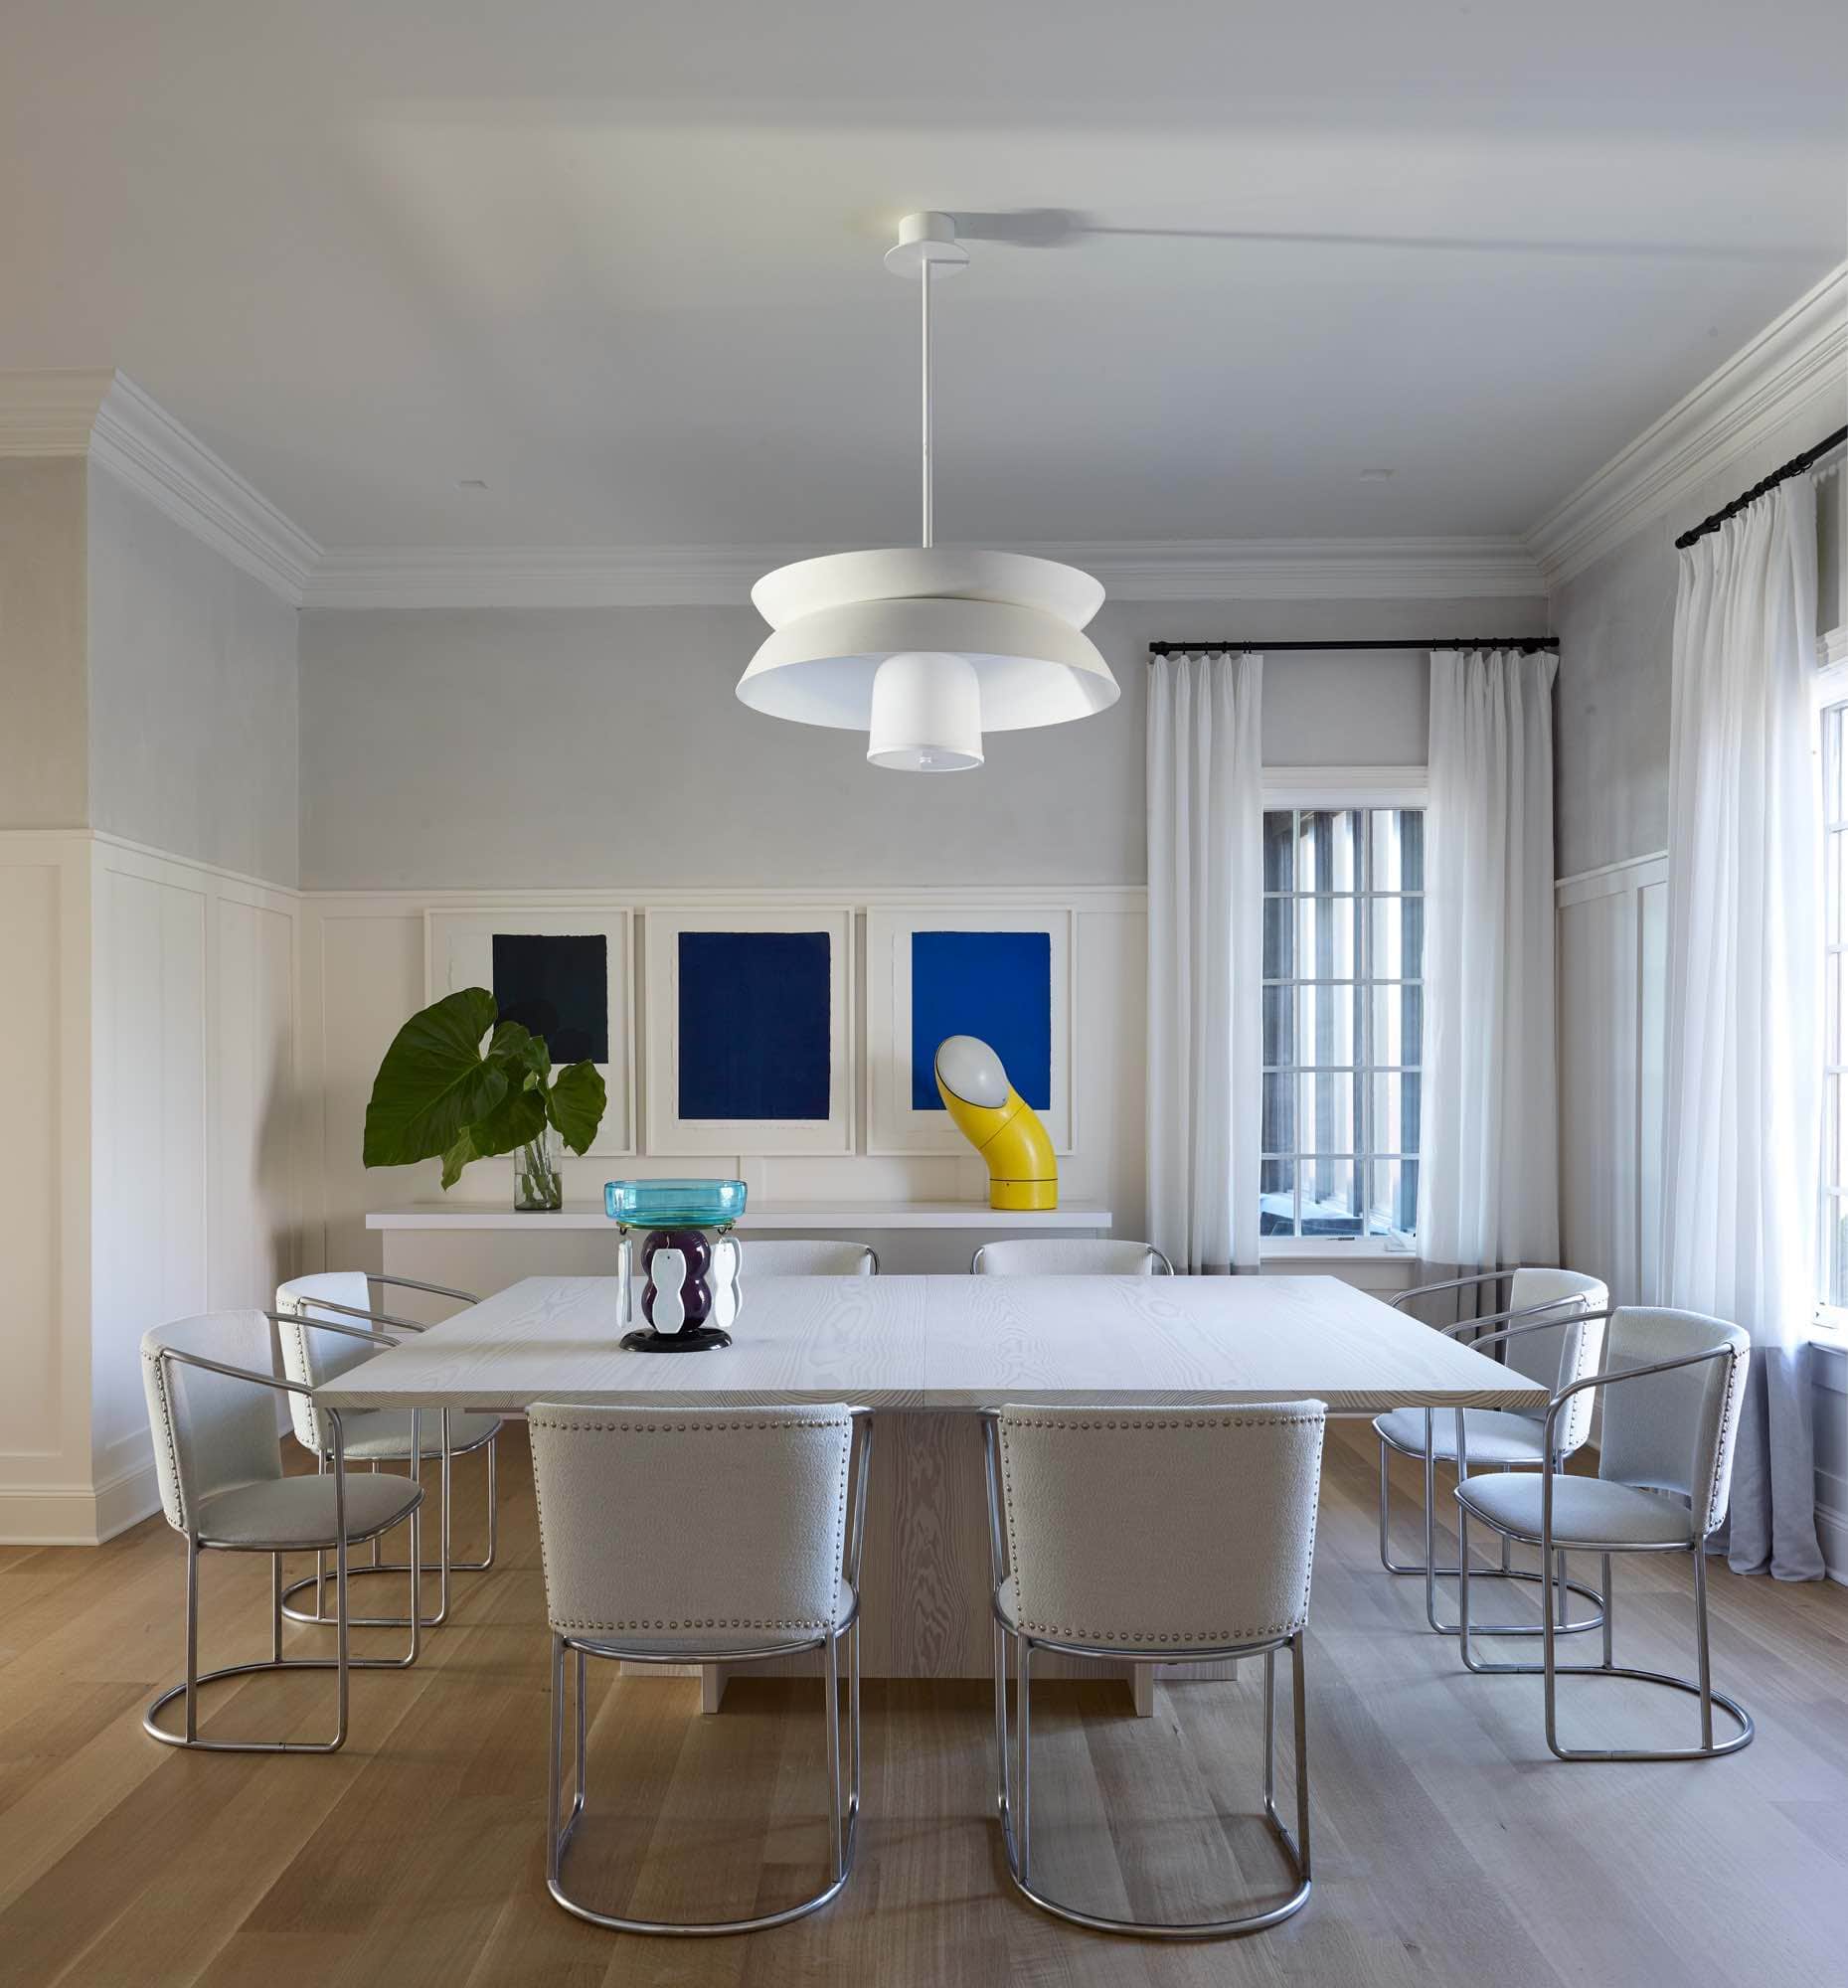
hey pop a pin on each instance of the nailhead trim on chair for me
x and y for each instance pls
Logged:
(706, 1622)
(166, 1429)
(783, 1426)
(1734, 1361)
(1212, 1637)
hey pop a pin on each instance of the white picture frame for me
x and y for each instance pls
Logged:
(667, 1132)
(892, 1126)
(459, 951)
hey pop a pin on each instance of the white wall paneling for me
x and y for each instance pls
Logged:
(1611, 928)
(158, 1005)
(46, 1488)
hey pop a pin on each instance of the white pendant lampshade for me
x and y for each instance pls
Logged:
(925, 649)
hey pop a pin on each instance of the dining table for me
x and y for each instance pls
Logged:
(927, 1354)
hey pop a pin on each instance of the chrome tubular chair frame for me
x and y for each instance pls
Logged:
(843, 1804)
(1014, 1778)
(446, 1564)
(1428, 1570)
(342, 1663)
(1162, 1266)
(1551, 1670)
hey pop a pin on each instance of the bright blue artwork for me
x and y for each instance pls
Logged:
(754, 1025)
(997, 985)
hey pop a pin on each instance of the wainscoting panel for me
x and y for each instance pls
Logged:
(45, 1473)
(1610, 939)
(155, 1169)
(151, 978)
(256, 1203)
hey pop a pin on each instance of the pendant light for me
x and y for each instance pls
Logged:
(927, 649)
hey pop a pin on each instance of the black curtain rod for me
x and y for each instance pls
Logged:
(1794, 467)
(1526, 644)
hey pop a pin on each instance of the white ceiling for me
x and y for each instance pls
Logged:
(621, 262)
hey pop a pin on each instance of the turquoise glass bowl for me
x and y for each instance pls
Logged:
(674, 1204)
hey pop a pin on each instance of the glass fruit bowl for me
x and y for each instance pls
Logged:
(674, 1204)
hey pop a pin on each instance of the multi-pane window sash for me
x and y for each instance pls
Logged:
(1343, 1022)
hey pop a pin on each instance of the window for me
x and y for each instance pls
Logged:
(1834, 1225)
(1344, 942)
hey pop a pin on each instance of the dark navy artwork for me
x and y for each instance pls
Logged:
(997, 985)
(558, 986)
(755, 1025)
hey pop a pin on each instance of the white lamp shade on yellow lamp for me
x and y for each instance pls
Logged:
(925, 649)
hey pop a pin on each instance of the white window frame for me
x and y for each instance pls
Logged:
(1338, 787)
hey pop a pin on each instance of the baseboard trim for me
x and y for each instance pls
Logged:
(78, 1515)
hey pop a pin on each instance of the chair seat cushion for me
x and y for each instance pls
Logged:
(289, 1513)
(1587, 1511)
(697, 1638)
(1493, 1436)
(383, 1436)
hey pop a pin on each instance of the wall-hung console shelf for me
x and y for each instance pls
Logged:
(485, 1247)
(798, 1216)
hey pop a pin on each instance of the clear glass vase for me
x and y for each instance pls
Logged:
(538, 1188)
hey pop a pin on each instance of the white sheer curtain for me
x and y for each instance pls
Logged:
(1205, 958)
(1741, 1134)
(1488, 1174)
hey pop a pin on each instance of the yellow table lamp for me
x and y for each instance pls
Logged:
(999, 1123)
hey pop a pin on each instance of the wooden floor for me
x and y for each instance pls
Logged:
(1448, 1846)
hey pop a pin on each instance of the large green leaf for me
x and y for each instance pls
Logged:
(518, 1117)
(457, 1158)
(433, 1081)
(575, 1103)
(515, 1042)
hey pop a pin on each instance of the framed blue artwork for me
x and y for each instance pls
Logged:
(566, 974)
(749, 1016)
(1003, 975)
(997, 985)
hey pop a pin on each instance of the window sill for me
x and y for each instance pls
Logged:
(1331, 1250)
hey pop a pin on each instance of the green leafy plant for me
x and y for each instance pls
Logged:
(460, 1082)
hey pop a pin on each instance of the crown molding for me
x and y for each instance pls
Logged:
(107, 418)
(723, 575)
(139, 442)
(50, 413)
(1797, 365)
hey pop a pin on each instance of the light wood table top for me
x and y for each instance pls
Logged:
(948, 1343)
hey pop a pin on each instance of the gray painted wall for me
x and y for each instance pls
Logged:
(195, 732)
(519, 748)
(1616, 623)
(44, 684)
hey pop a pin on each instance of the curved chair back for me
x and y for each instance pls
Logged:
(1673, 1431)
(210, 1432)
(803, 1258)
(315, 1357)
(1069, 1256)
(616, 1486)
(1567, 1353)
(1161, 1527)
